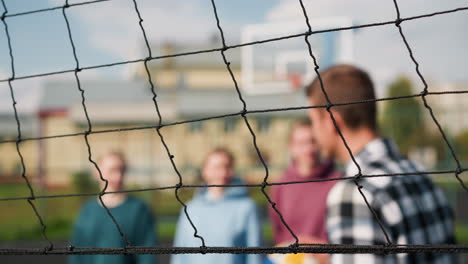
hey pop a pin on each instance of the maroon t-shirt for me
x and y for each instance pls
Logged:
(302, 205)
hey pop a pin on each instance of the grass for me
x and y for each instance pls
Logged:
(19, 223)
(461, 234)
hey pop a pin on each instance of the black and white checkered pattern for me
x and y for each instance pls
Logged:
(412, 209)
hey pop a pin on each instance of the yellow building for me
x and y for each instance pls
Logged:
(188, 88)
(198, 71)
(121, 105)
(10, 162)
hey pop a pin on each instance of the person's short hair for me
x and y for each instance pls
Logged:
(114, 153)
(343, 84)
(299, 123)
(220, 150)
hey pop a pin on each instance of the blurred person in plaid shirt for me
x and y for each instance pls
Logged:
(410, 208)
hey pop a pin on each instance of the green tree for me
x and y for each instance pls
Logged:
(461, 146)
(402, 119)
(84, 182)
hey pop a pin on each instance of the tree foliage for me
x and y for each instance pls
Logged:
(84, 182)
(461, 146)
(402, 119)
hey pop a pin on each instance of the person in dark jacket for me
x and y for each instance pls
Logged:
(95, 228)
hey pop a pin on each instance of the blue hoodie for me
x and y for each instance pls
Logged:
(231, 221)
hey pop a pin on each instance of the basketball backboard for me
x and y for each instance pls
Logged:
(285, 65)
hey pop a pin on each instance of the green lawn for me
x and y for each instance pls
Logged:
(18, 221)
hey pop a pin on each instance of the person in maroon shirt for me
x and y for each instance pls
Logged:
(303, 206)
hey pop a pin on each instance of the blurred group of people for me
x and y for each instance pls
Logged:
(384, 200)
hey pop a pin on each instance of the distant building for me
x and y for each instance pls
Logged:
(125, 104)
(204, 70)
(110, 105)
(10, 165)
(187, 87)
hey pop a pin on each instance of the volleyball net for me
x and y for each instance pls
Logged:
(243, 114)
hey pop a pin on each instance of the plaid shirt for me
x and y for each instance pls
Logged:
(411, 208)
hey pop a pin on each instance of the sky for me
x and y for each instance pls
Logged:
(108, 32)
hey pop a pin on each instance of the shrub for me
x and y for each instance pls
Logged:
(83, 182)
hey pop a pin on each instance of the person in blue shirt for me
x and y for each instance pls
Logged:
(224, 217)
(95, 228)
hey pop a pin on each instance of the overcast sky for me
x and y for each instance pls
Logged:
(109, 32)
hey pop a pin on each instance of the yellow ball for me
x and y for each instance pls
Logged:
(299, 258)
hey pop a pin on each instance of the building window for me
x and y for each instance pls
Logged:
(263, 124)
(229, 124)
(196, 126)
